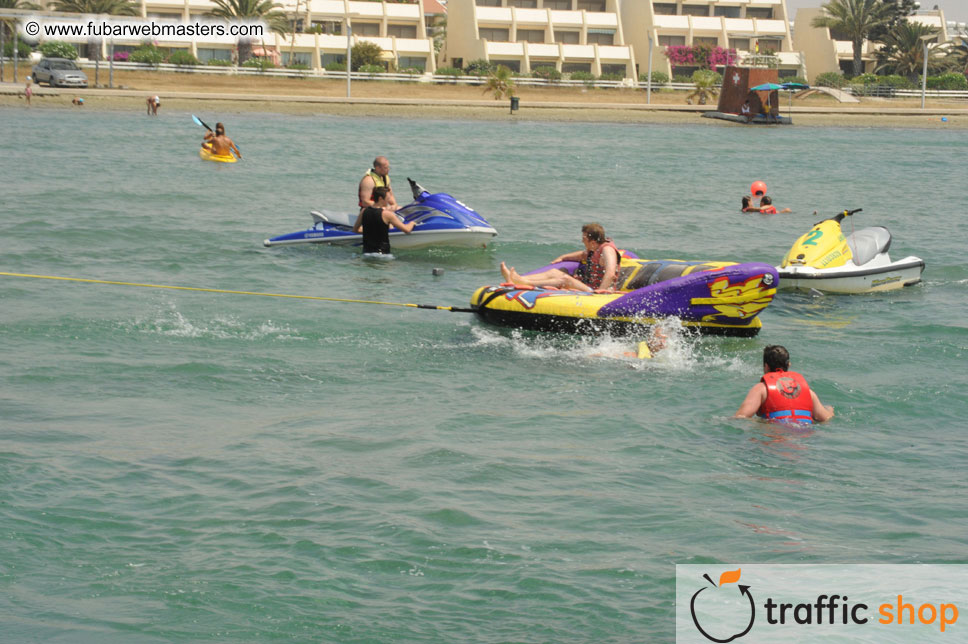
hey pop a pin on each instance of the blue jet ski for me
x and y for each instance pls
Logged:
(440, 220)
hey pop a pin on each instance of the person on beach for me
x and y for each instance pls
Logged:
(598, 269)
(783, 395)
(153, 102)
(377, 177)
(28, 90)
(746, 111)
(374, 223)
(77, 102)
(217, 143)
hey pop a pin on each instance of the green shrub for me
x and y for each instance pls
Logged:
(682, 78)
(373, 69)
(612, 77)
(582, 76)
(794, 79)
(866, 79)
(951, 80)
(261, 64)
(336, 67)
(547, 73)
(54, 49)
(449, 71)
(218, 62)
(365, 53)
(182, 57)
(658, 78)
(297, 66)
(479, 67)
(897, 81)
(413, 71)
(147, 54)
(23, 49)
(830, 79)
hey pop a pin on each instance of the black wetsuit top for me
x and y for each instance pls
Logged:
(376, 233)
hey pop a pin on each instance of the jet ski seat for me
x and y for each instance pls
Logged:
(332, 217)
(867, 243)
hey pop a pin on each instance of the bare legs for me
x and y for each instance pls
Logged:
(551, 277)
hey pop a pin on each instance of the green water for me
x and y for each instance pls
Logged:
(195, 467)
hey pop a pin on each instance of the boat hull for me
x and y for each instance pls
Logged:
(725, 300)
(474, 237)
(852, 279)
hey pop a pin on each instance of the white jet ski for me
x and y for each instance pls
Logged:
(826, 260)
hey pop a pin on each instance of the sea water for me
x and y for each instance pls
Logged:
(181, 466)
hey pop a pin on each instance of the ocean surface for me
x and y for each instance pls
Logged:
(182, 466)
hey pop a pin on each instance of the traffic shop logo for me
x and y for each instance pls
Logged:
(725, 593)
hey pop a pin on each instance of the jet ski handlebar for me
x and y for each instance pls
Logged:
(846, 213)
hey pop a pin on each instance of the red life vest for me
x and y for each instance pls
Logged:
(768, 210)
(787, 398)
(592, 272)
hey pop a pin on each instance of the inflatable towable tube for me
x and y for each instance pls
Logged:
(718, 298)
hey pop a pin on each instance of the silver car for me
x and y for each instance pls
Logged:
(59, 72)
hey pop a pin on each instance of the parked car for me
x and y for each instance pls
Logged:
(59, 72)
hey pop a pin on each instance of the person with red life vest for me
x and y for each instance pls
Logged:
(783, 395)
(598, 270)
(767, 207)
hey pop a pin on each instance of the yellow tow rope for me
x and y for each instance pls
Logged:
(453, 309)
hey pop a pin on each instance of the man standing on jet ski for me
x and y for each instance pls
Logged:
(377, 177)
(783, 395)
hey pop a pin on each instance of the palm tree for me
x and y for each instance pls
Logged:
(855, 19)
(8, 24)
(501, 82)
(904, 49)
(705, 81)
(264, 10)
(111, 7)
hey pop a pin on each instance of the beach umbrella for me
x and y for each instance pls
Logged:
(767, 87)
(794, 87)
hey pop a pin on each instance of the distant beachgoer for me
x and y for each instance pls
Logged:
(783, 395)
(28, 90)
(217, 143)
(377, 176)
(748, 205)
(598, 269)
(374, 223)
(78, 101)
(153, 102)
(767, 207)
(746, 111)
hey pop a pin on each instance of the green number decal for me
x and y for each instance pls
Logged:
(811, 240)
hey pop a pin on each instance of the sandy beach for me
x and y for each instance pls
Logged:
(235, 94)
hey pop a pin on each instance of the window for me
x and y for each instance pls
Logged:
(523, 4)
(494, 34)
(560, 5)
(568, 37)
(513, 65)
(298, 58)
(765, 13)
(402, 31)
(327, 27)
(702, 40)
(412, 62)
(531, 35)
(671, 41)
(567, 68)
(488, 3)
(741, 44)
(613, 69)
(726, 12)
(601, 36)
(327, 59)
(591, 5)
(770, 45)
(664, 8)
(366, 28)
(695, 10)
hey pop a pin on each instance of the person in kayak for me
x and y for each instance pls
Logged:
(783, 395)
(598, 269)
(217, 143)
(377, 177)
(374, 223)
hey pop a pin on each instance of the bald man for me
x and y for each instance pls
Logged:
(377, 177)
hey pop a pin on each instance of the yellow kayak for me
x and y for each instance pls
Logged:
(221, 158)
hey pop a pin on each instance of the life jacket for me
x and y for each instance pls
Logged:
(788, 398)
(378, 182)
(376, 233)
(768, 210)
(591, 271)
